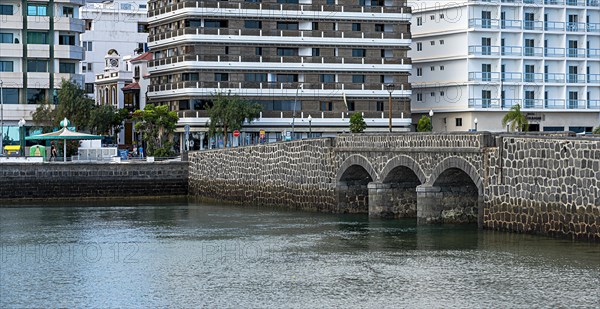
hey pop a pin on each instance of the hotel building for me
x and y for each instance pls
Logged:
(476, 59)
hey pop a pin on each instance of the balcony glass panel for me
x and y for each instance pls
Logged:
(554, 103)
(554, 2)
(533, 103)
(573, 26)
(593, 104)
(484, 50)
(554, 52)
(511, 76)
(576, 52)
(532, 25)
(484, 76)
(510, 24)
(593, 78)
(593, 52)
(510, 50)
(484, 103)
(532, 51)
(554, 25)
(593, 27)
(576, 104)
(576, 78)
(554, 78)
(532, 77)
(508, 103)
(483, 23)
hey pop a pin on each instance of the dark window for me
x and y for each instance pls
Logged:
(379, 27)
(186, 77)
(10, 96)
(287, 25)
(142, 28)
(6, 38)
(142, 47)
(459, 122)
(226, 50)
(211, 23)
(65, 67)
(89, 87)
(330, 2)
(380, 106)
(256, 77)
(358, 79)
(356, 27)
(221, 77)
(328, 78)
(253, 24)
(184, 105)
(283, 51)
(287, 78)
(288, 1)
(258, 51)
(359, 52)
(37, 10)
(6, 66)
(35, 96)
(554, 129)
(316, 52)
(315, 25)
(37, 66)
(37, 37)
(350, 105)
(200, 104)
(326, 106)
(66, 40)
(196, 23)
(6, 10)
(67, 11)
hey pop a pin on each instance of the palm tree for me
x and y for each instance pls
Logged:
(516, 118)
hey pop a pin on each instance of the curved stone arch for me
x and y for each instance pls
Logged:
(405, 161)
(461, 164)
(356, 160)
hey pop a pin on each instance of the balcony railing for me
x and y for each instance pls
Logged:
(548, 2)
(484, 76)
(511, 50)
(511, 76)
(593, 78)
(593, 52)
(484, 103)
(593, 27)
(511, 24)
(532, 25)
(576, 52)
(508, 103)
(533, 77)
(576, 78)
(575, 2)
(269, 86)
(554, 25)
(554, 77)
(593, 104)
(576, 104)
(485, 50)
(554, 104)
(575, 26)
(533, 103)
(533, 51)
(483, 23)
(554, 52)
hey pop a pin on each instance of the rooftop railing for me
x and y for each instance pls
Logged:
(268, 86)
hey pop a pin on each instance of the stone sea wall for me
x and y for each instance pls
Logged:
(296, 174)
(91, 180)
(545, 186)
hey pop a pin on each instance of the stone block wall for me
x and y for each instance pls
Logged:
(91, 180)
(296, 174)
(545, 186)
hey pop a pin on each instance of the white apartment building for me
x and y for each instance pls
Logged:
(475, 59)
(111, 25)
(39, 46)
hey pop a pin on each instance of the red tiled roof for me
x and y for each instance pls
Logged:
(145, 56)
(131, 86)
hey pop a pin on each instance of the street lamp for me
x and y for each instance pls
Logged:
(309, 126)
(1, 118)
(475, 121)
(390, 89)
(22, 136)
(431, 118)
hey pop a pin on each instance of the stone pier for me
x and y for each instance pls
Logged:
(392, 200)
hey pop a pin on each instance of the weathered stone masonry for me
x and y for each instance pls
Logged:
(532, 183)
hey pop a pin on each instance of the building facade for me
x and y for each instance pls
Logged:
(323, 58)
(120, 25)
(476, 59)
(39, 46)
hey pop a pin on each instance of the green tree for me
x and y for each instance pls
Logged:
(357, 123)
(156, 123)
(596, 130)
(73, 104)
(106, 118)
(424, 124)
(228, 113)
(517, 119)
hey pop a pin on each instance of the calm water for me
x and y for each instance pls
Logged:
(184, 255)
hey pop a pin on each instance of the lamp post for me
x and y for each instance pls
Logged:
(22, 136)
(475, 121)
(431, 118)
(309, 126)
(390, 89)
(1, 118)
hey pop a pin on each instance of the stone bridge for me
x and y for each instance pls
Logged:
(524, 183)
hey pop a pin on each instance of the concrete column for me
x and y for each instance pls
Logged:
(429, 204)
(380, 203)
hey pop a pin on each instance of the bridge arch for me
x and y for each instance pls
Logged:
(391, 167)
(461, 164)
(353, 178)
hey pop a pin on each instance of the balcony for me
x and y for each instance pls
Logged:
(484, 76)
(270, 86)
(11, 50)
(576, 104)
(69, 24)
(554, 2)
(511, 50)
(485, 50)
(533, 103)
(554, 104)
(575, 2)
(533, 77)
(484, 103)
(511, 24)
(484, 23)
(68, 52)
(511, 76)
(593, 27)
(576, 52)
(593, 78)
(576, 78)
(554, 77)
(554, 25)
(533, 51)
(576, 27)
(595, 3)
(593, 53)
(554, 52)
(593, 104)
(508, 103)
(532, 25)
